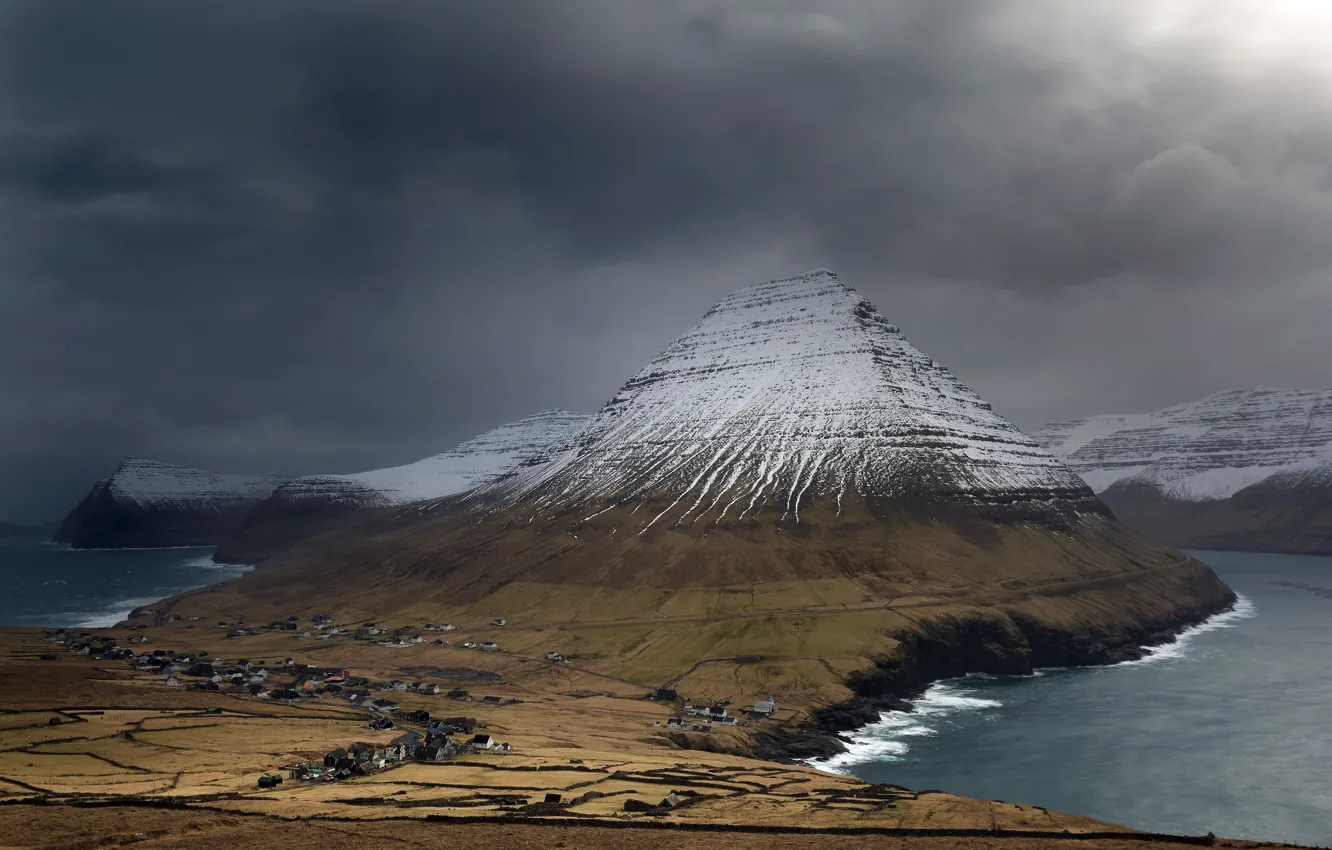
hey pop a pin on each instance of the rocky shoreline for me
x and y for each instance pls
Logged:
(1010, 643)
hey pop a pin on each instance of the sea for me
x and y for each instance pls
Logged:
(46, 584)
(1226, 730)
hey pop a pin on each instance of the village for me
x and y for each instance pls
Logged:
(425, 737)
(472, 717)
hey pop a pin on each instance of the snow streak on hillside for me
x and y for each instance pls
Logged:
(786, 392)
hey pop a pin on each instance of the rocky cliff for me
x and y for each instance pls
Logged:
(148, 504)
(1245, 469)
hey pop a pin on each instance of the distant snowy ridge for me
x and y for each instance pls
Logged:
(785, 392)
(1205, 450)
(149, 504)
(149, 483)
(310, 506)
(477, 461)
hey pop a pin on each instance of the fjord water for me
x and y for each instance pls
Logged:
(1229, 730)
(42, 584)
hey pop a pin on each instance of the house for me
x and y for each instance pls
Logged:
(482, 742)
(764, 707)
(284, 693)
(266, 782)
(403, 747)
(459, 693)
(431, 754)
(381, 723)
(260, 675)
(362, 752)
(554, 656)
(497, 623)
(489, 646)
(172, 682)
(672, 800)
(491, 700)
(677, 723)
(419, 716)
(428, 688)
(385, 705)
(457, 724)
(332, 757)
(664, 695)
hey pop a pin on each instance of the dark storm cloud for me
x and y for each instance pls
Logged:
(323, 236)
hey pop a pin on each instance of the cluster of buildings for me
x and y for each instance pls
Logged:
(701, 717)
(436, 743)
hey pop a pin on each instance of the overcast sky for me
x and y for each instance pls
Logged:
(327, 236)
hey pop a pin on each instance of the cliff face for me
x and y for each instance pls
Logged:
(1247, 469)
(147, 504)
(308, 506)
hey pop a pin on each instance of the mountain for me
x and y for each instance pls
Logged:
(789, 478)
(314, 504)
(790, 394)
(148, 504)
(1244, 469)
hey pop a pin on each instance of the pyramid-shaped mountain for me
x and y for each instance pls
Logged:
(791, 452)
(790, 394)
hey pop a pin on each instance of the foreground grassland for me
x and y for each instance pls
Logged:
(132, 761)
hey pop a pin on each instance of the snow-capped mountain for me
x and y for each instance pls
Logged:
(309, 505)
(787, 393)
(1238, 469)
(792, 436)
(477, 461)
(146, 504)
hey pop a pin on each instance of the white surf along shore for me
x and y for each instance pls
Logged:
(114, 612)
(944, 703)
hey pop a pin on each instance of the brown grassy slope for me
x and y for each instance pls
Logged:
(931, 548)
(812, 589)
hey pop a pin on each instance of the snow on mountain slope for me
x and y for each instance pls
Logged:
(1205, 450)
(477, 461)
(308, 507)
(787, 392)
(146, 503)
(150, 483)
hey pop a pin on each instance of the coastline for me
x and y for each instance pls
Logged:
(928, 659)
(61, 587)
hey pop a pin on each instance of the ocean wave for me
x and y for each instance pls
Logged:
(884, 740)
(1177, 649)
(889, 738)
(116, 611)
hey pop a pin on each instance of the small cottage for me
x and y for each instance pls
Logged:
(482, 742)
